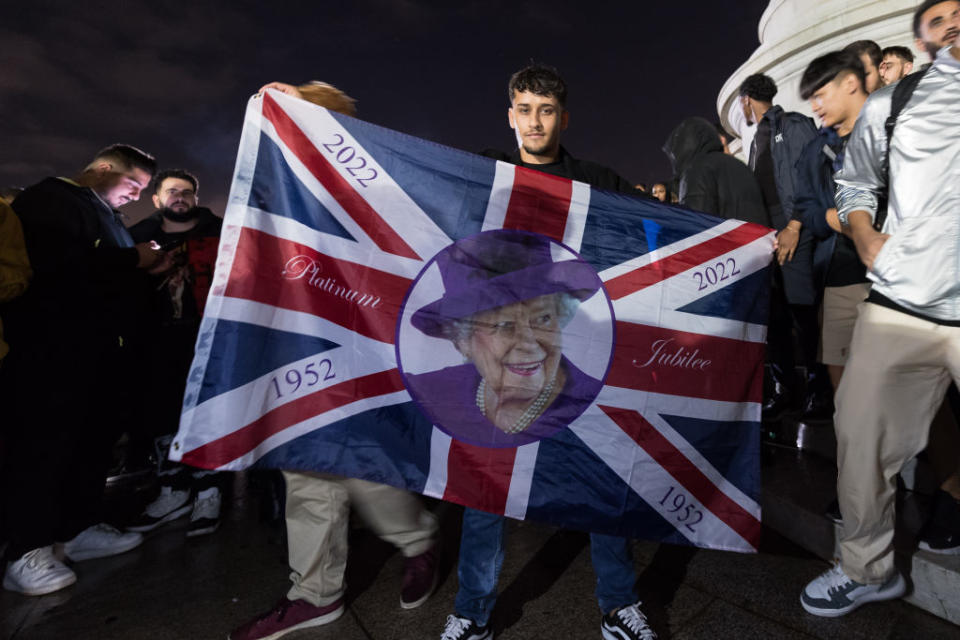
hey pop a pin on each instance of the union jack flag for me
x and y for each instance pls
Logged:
(331, 219)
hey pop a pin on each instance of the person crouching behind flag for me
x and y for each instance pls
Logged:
(317, 510)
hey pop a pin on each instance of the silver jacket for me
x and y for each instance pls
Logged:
(919, 266)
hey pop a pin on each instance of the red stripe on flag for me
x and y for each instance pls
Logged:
(686, 473)
(479, 477)
(290, 275)
(650, 274)
(686, 364)
(539, 202)
(231, 446)
(351, 201)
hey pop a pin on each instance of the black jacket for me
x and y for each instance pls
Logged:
(567, 166)
(208, 224)
(789, 133)
(84, 264)
(814, 193)
(710, 180)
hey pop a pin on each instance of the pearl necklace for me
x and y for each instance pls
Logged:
(531, 412)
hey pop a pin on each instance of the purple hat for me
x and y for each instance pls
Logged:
(497, 268)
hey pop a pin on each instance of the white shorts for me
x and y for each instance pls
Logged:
(839, 315)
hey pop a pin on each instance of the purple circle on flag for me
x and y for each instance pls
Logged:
(505, 337)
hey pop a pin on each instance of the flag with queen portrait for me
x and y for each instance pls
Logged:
(392, 309)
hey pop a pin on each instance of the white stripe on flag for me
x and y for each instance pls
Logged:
(265, 315)
(318, 190)
(436, 483)
(499, 197)
(330, 245)
(674, 405)
(577, 216)
(518, 495)
(246, 403)
(382, 193)
(653, 483)
(669, 250)
(662, 404)
(312, 424)
(232, 224)
(658, 304)
(673, 320)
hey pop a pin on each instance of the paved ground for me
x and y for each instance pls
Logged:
(174, 588)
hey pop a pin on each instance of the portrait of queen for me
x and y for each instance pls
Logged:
(506, 302)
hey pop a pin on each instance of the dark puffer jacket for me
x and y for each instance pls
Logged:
(710, 180)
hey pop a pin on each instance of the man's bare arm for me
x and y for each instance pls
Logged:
(868, 240)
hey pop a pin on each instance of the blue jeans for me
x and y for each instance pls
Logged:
(481, 557)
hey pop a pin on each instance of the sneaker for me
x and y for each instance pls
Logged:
(419, 579)
(287, 616)
(626, 623)
(941, 541)
(206, 513)
(941, 534)
(458, 628)
(99, 541)
(834, 594)
(169, 505)
(37, 572)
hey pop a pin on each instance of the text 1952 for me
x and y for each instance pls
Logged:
(309, 375)
(686, 512)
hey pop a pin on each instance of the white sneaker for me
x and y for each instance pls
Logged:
(169, 505)
(206, 513)
(99, 541)
(834, 593)
(38, 572)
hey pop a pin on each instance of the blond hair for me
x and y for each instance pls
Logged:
(328, 96)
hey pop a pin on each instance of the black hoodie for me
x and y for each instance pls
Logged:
(710, 180)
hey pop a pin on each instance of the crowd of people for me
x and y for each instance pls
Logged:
(864, 289)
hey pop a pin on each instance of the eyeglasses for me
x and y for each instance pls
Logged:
(543, 322)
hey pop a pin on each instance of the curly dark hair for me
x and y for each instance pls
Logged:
(759, 87)
(540, 79)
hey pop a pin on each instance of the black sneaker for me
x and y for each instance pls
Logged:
(941, 534)
(458, 628)
(627, 623)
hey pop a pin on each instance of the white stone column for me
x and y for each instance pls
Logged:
(794, 32)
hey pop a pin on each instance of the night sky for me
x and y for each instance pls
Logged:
(174, 78)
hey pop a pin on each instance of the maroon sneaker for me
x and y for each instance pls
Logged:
(287, 616)
(419, 579)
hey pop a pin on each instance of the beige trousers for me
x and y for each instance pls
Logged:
(894, 383)
(318, 512)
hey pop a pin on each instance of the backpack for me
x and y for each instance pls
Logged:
(901, 96)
